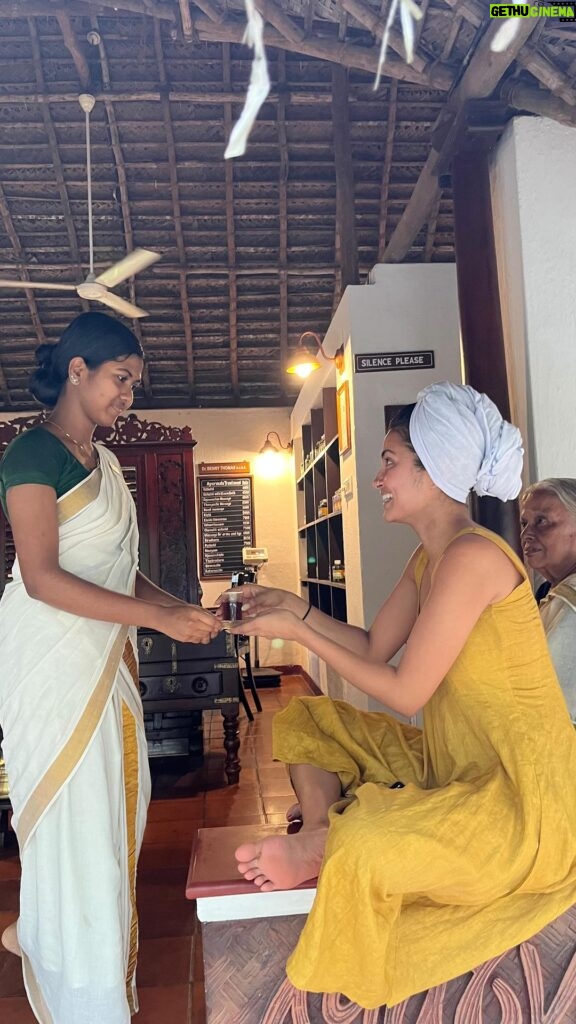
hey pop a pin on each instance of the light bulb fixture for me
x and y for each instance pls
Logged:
(304, 362)
(270, 460)
(269, 445)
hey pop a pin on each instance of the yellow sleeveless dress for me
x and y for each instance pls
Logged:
(477, 852)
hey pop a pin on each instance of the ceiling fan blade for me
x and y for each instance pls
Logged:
(120, 305)
(37, 284)
(132, 264)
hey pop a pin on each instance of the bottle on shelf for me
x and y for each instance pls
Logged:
(338, 571)
(323, 508)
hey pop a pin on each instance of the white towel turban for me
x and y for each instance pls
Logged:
(463, 442)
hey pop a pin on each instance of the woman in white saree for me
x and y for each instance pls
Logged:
(70, 708)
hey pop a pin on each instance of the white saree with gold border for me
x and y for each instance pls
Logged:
(76, 759)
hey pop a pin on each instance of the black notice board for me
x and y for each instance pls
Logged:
(226, 524)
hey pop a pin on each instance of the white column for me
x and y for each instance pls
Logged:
(534, 201)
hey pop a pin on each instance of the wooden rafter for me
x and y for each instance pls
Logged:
(186, 20)
(231, 30)
(124, 197)
(345, 199)
(482, 76)
(386, 167)
(376, 24)
(538, 101)
(281, 21)
(56, 159)
(431, 230)
(348, 54)
(69, 36)
(551, 77)
(283, 216)
(10, 230)
(231, 234)
(176, 209)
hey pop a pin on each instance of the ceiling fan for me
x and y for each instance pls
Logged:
(98, 288)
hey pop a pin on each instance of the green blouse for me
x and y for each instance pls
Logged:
(39, 457)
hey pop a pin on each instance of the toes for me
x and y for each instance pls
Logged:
(262, 881)
(247, 852)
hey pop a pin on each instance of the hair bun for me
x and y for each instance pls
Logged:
(44, 356)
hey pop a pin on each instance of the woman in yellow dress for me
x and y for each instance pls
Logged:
(436, 849)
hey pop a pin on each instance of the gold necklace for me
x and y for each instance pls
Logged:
(88, 454)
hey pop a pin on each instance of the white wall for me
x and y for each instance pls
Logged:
(408, 307)
(234, 435)
(534, 200)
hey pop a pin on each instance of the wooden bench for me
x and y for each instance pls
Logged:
(248, 935)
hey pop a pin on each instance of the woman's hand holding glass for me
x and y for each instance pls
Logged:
(188, 623)
(258, 600)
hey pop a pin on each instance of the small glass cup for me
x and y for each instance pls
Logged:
(231, 605)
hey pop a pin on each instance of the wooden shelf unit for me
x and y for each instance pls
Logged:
(320, 536)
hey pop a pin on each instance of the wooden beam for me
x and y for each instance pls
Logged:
(484, 72)
(276, 17)
(71, 42)
(431, 231)
(537, 101)
(560, 83)
(186, 19)
(386, 168)
(283, 172)
(56, 159)
(176, 210)
(480, 310)
(124, 197)
(10, 230)
(345, 209)
(231, 234)
(347, 54)
(376, 24)
(214, 12)
(84, 8)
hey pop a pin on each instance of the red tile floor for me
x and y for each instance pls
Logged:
(170, 984)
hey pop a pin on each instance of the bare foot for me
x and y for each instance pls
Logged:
(294, 819)
(10, 939)
(282, 862)
(294, 813)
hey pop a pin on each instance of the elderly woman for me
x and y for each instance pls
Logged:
(548, 532)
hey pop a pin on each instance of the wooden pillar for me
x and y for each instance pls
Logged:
(480, 312)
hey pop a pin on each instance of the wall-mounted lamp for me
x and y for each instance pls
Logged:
(270, 463)
(269, 445)
(304, 362)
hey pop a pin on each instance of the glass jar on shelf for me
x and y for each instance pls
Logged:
(338, 571)
(337, 501)
(322, 508)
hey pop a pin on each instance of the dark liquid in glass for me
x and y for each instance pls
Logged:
(231, 610)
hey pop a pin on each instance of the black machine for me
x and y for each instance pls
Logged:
(178, 681)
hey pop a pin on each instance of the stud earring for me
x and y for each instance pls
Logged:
(73, 379)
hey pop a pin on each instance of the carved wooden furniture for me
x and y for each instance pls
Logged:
(248, 935)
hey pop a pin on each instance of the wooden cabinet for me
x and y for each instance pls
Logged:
(319, 513)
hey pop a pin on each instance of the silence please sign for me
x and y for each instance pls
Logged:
(374, 362)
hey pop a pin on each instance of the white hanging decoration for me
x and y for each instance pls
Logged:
(409, 13)
(505, 34)
(258, 88)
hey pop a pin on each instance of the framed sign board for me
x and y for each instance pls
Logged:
(226, 524)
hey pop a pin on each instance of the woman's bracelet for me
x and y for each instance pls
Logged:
(307, 612)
